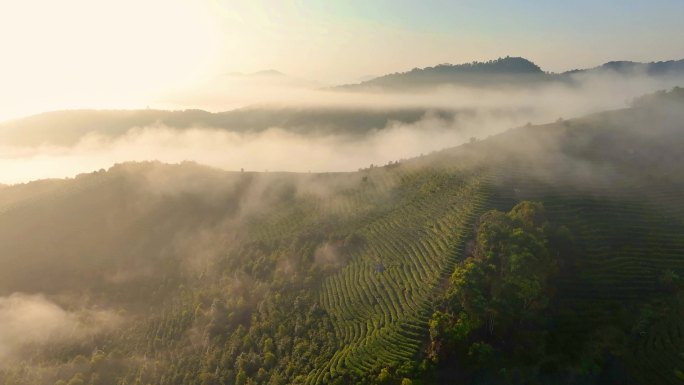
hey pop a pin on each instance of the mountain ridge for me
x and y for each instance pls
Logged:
(507, 70)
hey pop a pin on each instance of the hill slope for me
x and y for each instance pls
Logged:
(222, 278)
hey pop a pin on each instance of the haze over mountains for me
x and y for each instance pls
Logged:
(340, 129)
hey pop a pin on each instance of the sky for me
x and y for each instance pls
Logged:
(134, 53)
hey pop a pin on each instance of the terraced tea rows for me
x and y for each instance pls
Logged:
(380, 302)
(629, 236)
(660, 351)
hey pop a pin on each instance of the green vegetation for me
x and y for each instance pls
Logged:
(541, 256)
(495, 313)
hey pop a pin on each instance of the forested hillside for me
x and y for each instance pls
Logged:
(548, 254)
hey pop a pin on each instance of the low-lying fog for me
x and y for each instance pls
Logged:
(489, 111)
(29, 321)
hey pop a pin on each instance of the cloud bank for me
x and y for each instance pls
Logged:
(477, 113)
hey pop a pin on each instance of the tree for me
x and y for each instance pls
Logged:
(384, 376)
(241, 378)
(499, 293)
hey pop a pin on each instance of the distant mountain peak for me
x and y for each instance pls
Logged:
(504, 65)
(476, 71)
(621, 65)
(655, 68)
(507, 71)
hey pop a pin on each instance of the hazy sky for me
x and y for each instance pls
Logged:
(131, 53)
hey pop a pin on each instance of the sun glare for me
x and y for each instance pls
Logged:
(81, 53)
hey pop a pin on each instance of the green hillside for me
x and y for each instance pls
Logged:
(275, 278)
